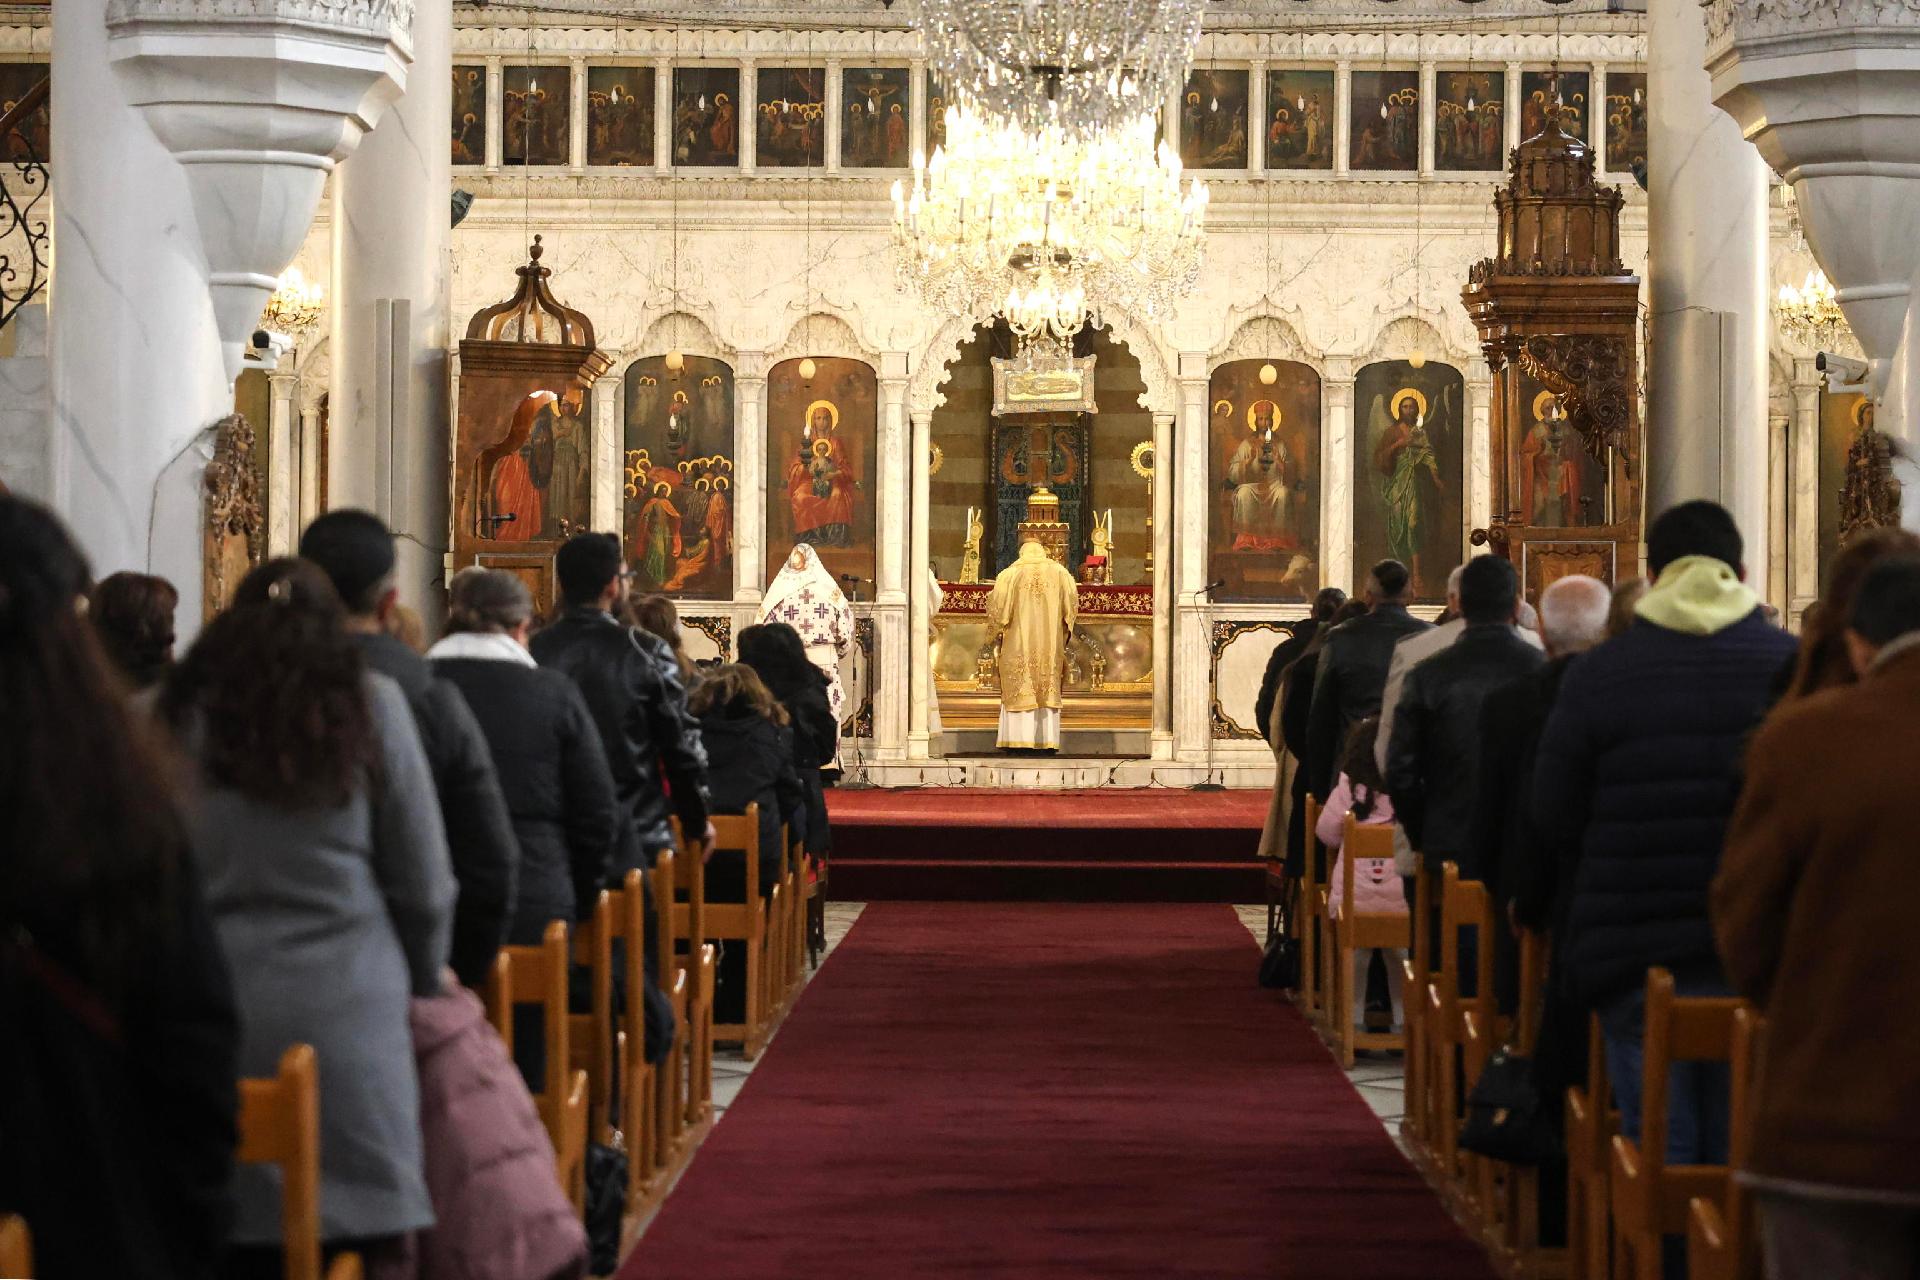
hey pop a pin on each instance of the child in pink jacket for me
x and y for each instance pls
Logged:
(1376, 885)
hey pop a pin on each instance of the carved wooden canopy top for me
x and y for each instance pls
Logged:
(532, 315)
(1555, 218)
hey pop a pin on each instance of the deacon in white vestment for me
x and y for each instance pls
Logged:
(805, 597)
(1031, 612)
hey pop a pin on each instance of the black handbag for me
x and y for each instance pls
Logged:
(606, 1203)
(1506, 1119)
(1280, 962)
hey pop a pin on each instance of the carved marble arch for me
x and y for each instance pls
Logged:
(822, 333)
(1400, 337)
(315, 372)
(1161, 394)
(683, 331)
(1264, 338)
(935, 364)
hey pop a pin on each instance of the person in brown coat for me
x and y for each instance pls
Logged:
(1814, 924)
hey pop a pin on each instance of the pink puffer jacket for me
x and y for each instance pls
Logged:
(499, 1209)
(1376, 887)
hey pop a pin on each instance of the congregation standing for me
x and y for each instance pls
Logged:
(304, 831)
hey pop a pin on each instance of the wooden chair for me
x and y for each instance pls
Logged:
(1354, 932)
(1463, 903)
(816, 882)
(590, 1035)
(1650, 1197)
(16, 1247)
(637, 1084)
(1591, 1124)
(745, 924)
(1513, 1229)
(280, 1125)
(685, 926)
(1415, 992)
(1720, 1237)
(538, 976)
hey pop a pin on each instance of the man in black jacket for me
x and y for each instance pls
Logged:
(1353, 671)
(1284, 654)
(355, 550)
(632, 685)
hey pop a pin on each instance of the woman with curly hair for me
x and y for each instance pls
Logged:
(132, 613)
(117, 1027)
(327, 870)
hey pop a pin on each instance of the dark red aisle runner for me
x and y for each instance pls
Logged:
(1049, 1090)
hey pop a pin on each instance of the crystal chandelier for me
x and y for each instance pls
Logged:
(295, 305)
(1047, 230)
(1083, 66)
(1811, 312)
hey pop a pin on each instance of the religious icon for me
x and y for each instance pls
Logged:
(873, 134)
(1265, 447)
(469, 115)
(1409, 504)
(706, 123)
(1626, 121)
(970, 550)
(1552, 465)
(537, 120)
(820, 490)
(1470, 120)
(1300, 120)
(679, 435)
(790, 127)
(1539, 89)
(938, 100)
(1384, 132)
(1213, 120)
(34, 139)
(536, 485)
(620, 116)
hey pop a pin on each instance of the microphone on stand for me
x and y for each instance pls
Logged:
(1212, 587)
(1206, 595)
(853, 577)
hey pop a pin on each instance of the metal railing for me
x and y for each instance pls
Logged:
(24, 239)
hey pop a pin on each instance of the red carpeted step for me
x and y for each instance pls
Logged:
(1031, 1092)
(1142, 845)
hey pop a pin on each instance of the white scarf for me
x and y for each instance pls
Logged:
(791, 582)
(489, 646)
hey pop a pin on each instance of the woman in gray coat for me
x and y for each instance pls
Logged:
(317, 831)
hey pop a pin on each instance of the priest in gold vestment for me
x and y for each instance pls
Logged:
(1031, 612)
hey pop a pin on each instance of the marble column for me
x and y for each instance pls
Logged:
(1342, 116)
(390, 448)
(283, 461)
(1512, 119)
(1428, 99)
(1163, 573)
(135, 365)
(892, 666)
(1336, 458)
(744, 115)
(1774, 588)
(1191, 668)
(749, 477)
(496, 111)
(920, 742)
(1479, 444)
(606, 447)
(1707, 284)
(1803, 492)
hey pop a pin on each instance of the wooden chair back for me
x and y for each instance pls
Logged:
(1309, 919)
(1591, 1124)
(280, 1125)
(1651, 1197)
(592, 1033)
(1721, 1242)
(687, 928)
(538, 976)
(745, 923)
(1355, 931)
(1416, 996)
(16, 1247)
(688, 896)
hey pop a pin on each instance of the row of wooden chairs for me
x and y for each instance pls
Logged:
(1329, 941)
(1622, 1197)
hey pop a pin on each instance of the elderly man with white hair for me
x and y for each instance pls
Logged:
(1519, 872)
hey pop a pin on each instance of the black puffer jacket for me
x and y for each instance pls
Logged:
(814, 734)
(631, 684)
(1348, 684)
(479, 831)
(553, 771)
(1639, 768)
(1434, 758)
(752, 762)
(1283, 656)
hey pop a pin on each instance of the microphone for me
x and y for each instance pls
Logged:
(853, 577)
(1212, 587)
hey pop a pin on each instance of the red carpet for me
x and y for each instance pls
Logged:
(1026, 1091)
(1118, 844)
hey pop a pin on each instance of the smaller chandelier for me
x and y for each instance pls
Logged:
(1081, 66)
(296, 305)
(1811, 312)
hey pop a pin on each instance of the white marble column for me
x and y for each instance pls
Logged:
(1707, 283)
(1336, 460)
(390, 448)
(607, 448)
(1191, 669)
(1513, 112)
(1428, 106)
(310, 477)
(1597, 120)
(577, 114)
(749, 476)
(1342, 116)
(892, 666)
(496, 111)
(663, 116)
(835, 116)
(135, 364)
(1258, 116)
(746, 114)
(1164, 474)
(1779, 501)
(283, 461)
(920, 590)
(917, 126)
(1803, 492)
(1479, 449)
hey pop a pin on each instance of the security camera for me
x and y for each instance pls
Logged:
(1843, 372)
(269, 346)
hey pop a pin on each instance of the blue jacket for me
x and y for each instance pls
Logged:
(1639, 769)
